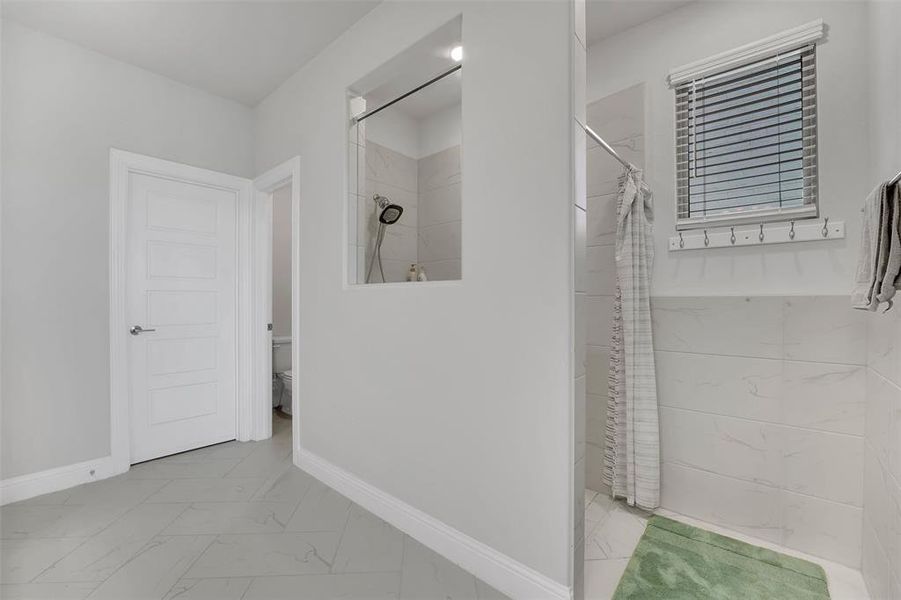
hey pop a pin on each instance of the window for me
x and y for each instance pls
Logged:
(746, 137)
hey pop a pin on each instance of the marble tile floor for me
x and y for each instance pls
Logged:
(226, 522)
(612, 531)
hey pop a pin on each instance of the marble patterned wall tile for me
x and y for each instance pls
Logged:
(727, 325)
(739, 448)
(595, 434)
(750, 388)
(740, 505)
(440, 205)
(824, 396)
(619, 115)
(439, 242)
(393, 168)
(594, 461)
(599, 320)
(399, 243)
(443, 270)
(440, 169)
(880, 508)
(597, 367)
(822, 528)
(753, 394)
(580, 333)
(600, 270)
(822, 464)
(884, 343)
(825, 329)
(880, 401)
(874, 563)
(882, 456)
(604, 171)
(601, 220)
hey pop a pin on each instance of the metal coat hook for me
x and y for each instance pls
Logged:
(826, 227)
(681, 241)
(732, 237)
(760, 235)
(791, 232)
(706, 239)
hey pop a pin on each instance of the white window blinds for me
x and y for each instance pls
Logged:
(746, 143)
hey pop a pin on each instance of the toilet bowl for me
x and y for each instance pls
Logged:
(281, 362)
(287, 379)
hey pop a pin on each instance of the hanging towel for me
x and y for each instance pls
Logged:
(632, 446)
(863, 295)
(879, 258)
(889, 271)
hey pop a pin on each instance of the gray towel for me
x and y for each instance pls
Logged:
(863, 296)
(879, 260)
(889, 272)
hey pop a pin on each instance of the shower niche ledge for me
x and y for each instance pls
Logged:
(404, 211)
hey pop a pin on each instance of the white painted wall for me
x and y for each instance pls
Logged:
(440, 131)
(416, 138)
(884, 90)
(395, 130)
(63, 108)
(645, 54)
(281, 261)
(475, 431)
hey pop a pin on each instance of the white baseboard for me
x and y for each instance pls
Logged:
(28, 486)
(495, 568)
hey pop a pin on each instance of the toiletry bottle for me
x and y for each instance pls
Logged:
(421, 275)
(411, 274)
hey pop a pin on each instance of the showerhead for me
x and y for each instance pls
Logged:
(390, 213)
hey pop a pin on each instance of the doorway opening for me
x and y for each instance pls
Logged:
(191, 289)
(276, 252)
(282, 342)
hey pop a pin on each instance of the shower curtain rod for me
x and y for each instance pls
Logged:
(369, 113)
(606, 146)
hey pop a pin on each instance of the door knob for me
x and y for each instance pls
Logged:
(138, 330)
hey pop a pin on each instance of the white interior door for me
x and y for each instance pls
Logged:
(181, 290)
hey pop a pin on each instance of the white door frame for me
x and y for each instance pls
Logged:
(263, 186)
(123, 163)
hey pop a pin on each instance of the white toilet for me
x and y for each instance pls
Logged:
(281, 371)
(287, 391)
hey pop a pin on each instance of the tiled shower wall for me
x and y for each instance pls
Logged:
(762, 400)
(882, 457)
(439, 183)
(762, 409)
(619, 119)
(429, 234)
(396, 176)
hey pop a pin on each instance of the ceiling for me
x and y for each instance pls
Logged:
(604, 18)
(238, 50)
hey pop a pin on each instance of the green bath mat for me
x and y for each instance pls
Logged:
(677, 561)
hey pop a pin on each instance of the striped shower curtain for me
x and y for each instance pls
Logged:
(632, 446)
